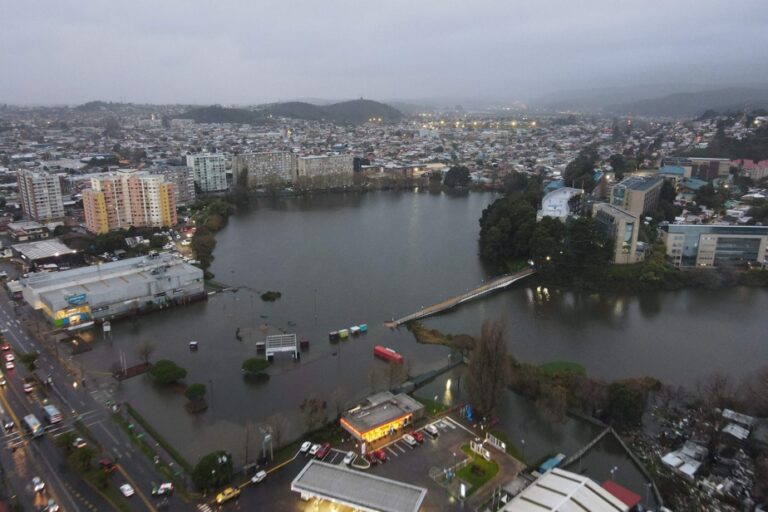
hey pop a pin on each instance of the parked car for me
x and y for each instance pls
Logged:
(258, 477)
(5, 347)
(51, 506)
(431, 431)
(127, 490)
(227, 494)
(371, 458)
(164, 489)
(79, 442)
(418, 436)
(37, 484)
(9, 356)
(313, 451)
(10, 365)
(324, 450)
(381, 455)
(349, 457)
(29, 386)
(409, 439)
(305, 447)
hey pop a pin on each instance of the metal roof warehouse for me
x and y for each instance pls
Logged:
(356, 489)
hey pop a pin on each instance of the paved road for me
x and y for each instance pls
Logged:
(89, 404)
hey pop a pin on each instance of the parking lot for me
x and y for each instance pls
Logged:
(403, 463)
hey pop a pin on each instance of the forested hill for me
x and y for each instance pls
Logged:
(355, 111)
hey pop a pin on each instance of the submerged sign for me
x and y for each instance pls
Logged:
(76, 300)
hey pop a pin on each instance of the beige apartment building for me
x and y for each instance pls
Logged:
(325, 171)
(622, 227)
(268, 168)
(639, 195)
(129, 198)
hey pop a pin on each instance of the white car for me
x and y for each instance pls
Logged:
(431, 430)
(305, 446)
(258, 477)
(315, 448)
(37, 484)
(408, 438)
(349, 457)
(79, 442)
(127, 490)
(52, 506)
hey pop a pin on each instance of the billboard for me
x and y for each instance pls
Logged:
(77, 300)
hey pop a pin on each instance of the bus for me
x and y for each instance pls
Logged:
(33, 426)
(52, 414)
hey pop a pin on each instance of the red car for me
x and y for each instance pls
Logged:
(418, 436)
(371, 458)
(5, 347)
(381, 455)
(107, 465)
(323, 451)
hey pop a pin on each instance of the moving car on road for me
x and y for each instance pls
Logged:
(37, 484)
(165, 489)
(127, 490)
(227, 494)
(79, 442)
(107, 465)
(258, 477)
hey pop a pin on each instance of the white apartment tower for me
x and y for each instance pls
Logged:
(40, 195)
(209, 171)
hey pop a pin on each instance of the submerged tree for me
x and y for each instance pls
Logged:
(488, 372)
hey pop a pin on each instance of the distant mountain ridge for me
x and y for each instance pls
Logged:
(354, 111)
(692, 104)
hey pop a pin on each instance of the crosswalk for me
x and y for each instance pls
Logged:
(90, 418)
(204, 507)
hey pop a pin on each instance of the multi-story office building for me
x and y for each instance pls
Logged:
(129, 198)
(209, 171)
(325, 171)
(638, 195)
(622, 227)
(708, 169)
(266, 169)
(183, 181)
(715, 245)
(40, 195)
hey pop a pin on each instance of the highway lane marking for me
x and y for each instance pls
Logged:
(136, 488)
(109, 433)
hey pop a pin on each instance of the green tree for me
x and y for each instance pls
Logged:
(82, 458)
(626, 404)
(213, 470)
(457, 176)
(488, 371)
(29, 360)
(195, 391)
(167, 372)
(254, 365)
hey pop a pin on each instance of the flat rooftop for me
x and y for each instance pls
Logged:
(380, 409)
(356, 489)
(41, 249)
(640, 182)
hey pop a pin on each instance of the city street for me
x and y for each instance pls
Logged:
(40, 457)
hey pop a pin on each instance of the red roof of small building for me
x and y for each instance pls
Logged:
(628, 497)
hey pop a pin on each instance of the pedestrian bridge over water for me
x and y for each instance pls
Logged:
(489, 287)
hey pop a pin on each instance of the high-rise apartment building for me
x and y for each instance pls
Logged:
(40, 195)
(183, 181)
(209, 171)
(267, 168)
(325, 171)
(129, 198)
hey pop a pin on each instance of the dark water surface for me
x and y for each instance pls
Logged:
(346, 259)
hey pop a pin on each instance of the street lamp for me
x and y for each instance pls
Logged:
(613, 471)
(522, 441)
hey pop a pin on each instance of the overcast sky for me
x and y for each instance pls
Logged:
(252, 51)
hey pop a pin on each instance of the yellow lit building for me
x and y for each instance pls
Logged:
(380, 415)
